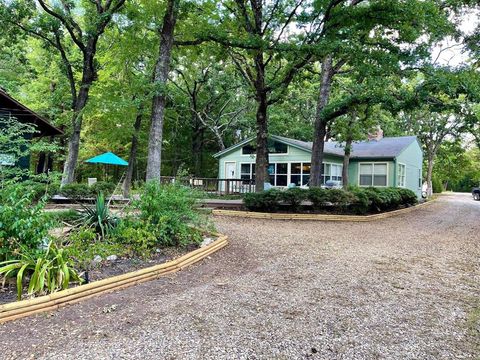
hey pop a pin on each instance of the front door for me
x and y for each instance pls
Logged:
(230, 173)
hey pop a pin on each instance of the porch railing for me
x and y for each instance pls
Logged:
(213, 185)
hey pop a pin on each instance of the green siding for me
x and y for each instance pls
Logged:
(412, 157)
(353, 169)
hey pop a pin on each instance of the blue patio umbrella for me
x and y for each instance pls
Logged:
(107, 158)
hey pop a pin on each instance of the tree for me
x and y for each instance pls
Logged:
(160, 78)
(84, 25)
(359, 34)
(256, 36)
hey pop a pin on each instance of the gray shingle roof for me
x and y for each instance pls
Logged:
(387, 147)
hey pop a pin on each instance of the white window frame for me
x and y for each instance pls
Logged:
(373, 163)
(399, 184)
(290, 174)
(251, 169)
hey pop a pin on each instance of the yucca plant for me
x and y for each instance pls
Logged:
(49, 271)
(98, 217)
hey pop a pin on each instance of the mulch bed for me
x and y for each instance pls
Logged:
(106, 269)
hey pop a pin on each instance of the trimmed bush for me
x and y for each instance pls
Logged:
(355, 200)
(104, 187)
(318, 197)
(293, 198)
(267, 201)
(76, 191)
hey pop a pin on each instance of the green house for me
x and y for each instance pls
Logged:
(380, 161)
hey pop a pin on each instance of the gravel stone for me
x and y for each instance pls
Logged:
(405, 287)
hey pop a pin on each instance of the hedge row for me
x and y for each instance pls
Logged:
(355, 200)
(78, 191)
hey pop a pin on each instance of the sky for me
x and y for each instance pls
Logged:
(451, 52)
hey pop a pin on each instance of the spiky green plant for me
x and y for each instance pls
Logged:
(98, 217)
(48, 271)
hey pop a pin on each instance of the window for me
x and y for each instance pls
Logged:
(247, 171)
(300, 173)
(419, 178)
(373, 174)
(274, 147)
(278, 173)
(248, 150)
(331, 172)
(401, 175)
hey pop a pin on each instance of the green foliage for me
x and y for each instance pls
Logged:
(268, 201)
(293, 198)
(77, 191)
(354, 200)
(171, 212)
(98, 217)
(437, 185)
(23, 223)
(82, 245)
(138, 238)
(48, 271)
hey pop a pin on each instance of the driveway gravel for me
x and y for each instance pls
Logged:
(407, 287)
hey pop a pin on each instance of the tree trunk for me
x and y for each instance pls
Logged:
(160, 78)
(132, 159)
(346, 161)
(429, 174)
(321, 123)
(74, 140)
(261, 162)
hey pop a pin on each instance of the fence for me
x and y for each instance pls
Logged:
(212, 185)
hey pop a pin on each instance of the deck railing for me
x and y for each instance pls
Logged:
(213, 185)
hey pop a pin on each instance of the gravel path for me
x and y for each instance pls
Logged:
(406, 287)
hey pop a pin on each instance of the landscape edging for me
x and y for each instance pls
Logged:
(317, 217)
(23, 308)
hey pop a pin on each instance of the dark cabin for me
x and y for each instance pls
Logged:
(11, 107)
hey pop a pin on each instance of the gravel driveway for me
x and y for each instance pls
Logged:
(406, 287)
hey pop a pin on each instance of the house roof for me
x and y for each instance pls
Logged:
(25, 115)
(386, 148)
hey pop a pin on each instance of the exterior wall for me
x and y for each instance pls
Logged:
(353, 170)
(294, 155)
(412, 157)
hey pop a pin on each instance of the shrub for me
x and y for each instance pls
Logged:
(437, 186)
(319, 197)
(172, 211)
(98, 217)
(103, 187)
(137, 237)
(408, 196)
(76, 191)
(82, 246)
(268, 200)
(294, 197)
(23, 223)
(49, 270)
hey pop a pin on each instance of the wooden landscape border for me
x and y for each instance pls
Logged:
(19, 309)
(317, 217)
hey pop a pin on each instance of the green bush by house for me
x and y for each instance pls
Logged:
(354, 200)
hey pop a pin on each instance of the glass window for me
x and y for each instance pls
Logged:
(420, 178)
(275, 147)
(373, 174)
(247, 171)
(380, 175)
(401, 175)
(248, 150)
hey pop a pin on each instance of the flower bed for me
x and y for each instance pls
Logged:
(161, 225)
